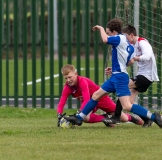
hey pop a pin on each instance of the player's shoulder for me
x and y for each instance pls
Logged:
(123, 38)
(115, 36)
(83, 79)
(120, 36)
(142, 40)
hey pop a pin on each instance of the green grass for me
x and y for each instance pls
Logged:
(31, 134)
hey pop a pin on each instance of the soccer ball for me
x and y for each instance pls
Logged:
(65, 124)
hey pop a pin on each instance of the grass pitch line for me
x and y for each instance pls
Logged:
(39, 80)
(55, 76)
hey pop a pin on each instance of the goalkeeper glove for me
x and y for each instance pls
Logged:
(59, 116)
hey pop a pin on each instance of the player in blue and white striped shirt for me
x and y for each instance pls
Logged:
(122, 52)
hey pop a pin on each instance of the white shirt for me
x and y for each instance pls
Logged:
(147, 63)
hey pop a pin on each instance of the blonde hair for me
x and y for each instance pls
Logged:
(67, 69)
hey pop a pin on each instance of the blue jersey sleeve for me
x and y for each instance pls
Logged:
(131, 53)
(113, 40)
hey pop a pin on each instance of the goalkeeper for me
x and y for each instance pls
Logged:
(82, 89)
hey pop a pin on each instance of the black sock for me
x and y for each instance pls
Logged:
(145, 119)
(118, 109)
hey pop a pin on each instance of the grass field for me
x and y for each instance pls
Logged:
(31, 134)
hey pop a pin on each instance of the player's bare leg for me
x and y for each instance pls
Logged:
(134, 93)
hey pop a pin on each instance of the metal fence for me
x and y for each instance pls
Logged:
(38, 37)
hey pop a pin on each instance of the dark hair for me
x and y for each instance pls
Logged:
(129, 29)
(115, 25)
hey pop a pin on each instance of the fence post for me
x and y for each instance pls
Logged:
(42, 56)
(60, 43)
(87, 31)
(33, 18)
(1, 20)
(15, 53)
(105, 48)
(24, 53)
(159, 46)
(69, 54)
(136, 25)
(149, 35)
(7, 50)
(51, 51)
(96, 67)
(78, 54)
(141, 33)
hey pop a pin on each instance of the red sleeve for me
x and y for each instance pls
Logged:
(85, 92)
(65, 93)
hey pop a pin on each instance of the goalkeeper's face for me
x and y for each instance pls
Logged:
(71, 78)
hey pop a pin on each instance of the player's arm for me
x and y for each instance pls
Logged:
(146, 50)
(131, 62)
(113, 40)
(63, 99)
(85, 92)
(130, 59)
(104, 36)
(108, 71)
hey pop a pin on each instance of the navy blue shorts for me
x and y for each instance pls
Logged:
(117, 83)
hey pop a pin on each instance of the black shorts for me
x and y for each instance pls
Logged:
(141, 82)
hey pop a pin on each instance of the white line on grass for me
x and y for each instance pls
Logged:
(55, 76)
(39, 80)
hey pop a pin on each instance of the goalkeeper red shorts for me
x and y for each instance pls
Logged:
(106, 104)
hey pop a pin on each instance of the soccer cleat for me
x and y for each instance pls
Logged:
(136, 119)
(112, 120)
(158, 119)
(74, 120)
(147, 123)
(108, 116)
(108, 125)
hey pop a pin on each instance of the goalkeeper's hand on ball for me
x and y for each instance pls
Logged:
(59, 116)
